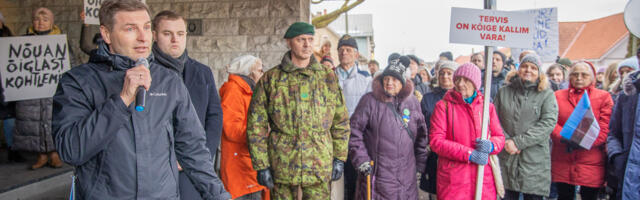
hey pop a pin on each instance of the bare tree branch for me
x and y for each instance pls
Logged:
(324, 20)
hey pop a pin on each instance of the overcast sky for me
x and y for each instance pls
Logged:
(422, 26)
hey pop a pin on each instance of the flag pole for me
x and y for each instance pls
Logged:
(488, 74)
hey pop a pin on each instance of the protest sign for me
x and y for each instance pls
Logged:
(31, 66)
(92, 11)
(491, 27)
(582, 126)
(545, 39)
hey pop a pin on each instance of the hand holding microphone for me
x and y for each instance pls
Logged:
(136, 80)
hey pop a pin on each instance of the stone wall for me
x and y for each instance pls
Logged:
(230, 27)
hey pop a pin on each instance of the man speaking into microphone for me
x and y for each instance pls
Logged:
(119, 152)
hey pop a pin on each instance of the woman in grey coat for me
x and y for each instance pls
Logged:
(528, 113)
(33, 117)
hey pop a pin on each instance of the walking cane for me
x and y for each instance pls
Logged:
(369, 182)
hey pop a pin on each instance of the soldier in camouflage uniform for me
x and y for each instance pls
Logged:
(298, 125)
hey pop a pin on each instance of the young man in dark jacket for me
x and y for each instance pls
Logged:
(169, 50)
(120, 152)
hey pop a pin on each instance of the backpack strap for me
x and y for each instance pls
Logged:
(404, 124)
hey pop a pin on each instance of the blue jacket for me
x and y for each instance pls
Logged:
(120, 153)
(623, 142)
(354, 85)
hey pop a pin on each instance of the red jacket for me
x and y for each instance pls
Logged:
(456, 178)
(236, 170)
(581, 167)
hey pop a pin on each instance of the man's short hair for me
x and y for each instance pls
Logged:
(477, 54)
(166, 15)
(374, 62)
(109, 8)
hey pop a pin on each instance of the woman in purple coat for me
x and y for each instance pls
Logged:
(388, 128)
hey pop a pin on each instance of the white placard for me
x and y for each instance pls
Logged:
(491, 27)
(91, 11)
(546, 36)
(31, 66)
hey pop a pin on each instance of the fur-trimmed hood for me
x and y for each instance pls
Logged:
(543, 82)
(630, 83)
(380, 95)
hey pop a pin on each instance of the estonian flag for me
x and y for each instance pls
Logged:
(582, 127)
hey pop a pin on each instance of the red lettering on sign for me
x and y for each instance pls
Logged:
(491, 36)
(494, 19)
(462, 26)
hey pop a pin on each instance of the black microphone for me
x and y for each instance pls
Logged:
(141, 95)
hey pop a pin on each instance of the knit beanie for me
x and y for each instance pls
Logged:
(631, 62)
(405, 61)
(242, 65)
(396, 70)
(414, 58)
(469, 71)
(393, 57)
(445, 64)
(533, 59)
(504, 58)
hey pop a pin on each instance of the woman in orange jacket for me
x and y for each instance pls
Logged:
(236, 170)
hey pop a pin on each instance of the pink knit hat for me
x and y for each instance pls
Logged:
(471, 72)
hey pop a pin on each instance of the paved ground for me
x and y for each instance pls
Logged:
(15, 175)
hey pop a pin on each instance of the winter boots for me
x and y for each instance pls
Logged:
(52, 158)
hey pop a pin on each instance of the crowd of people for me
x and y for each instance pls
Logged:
(303, 125)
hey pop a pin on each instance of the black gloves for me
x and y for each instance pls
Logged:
(570, 145)
(264, 178)
(338, 168)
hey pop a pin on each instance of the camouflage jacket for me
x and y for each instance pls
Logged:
(298, 123)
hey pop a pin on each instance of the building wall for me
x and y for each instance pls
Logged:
(230, 27)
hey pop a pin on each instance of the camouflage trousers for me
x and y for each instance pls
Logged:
(290, 192)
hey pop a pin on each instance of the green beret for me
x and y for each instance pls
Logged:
(299, 28)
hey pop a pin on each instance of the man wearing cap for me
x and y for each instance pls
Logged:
(355, 83)
(298, 124)
(565, 62)
(353, 80)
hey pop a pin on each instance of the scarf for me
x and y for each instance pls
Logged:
(470, 99)
(176, 64)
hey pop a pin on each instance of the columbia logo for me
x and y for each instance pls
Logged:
(157, 94)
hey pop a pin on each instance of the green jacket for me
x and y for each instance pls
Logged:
(528, 114)
(298, 123)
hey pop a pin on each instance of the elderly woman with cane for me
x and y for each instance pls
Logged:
(455, 137)
(388, 128)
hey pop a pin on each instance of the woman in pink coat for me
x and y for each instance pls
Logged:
(459, 145)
